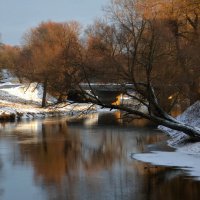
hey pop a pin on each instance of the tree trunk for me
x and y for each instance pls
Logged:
(192, 132)
(194, 92)
(44, 93)
(163, 119)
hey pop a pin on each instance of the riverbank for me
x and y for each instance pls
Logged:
(186, 155)
(23, 101)
(190, 116)
(15, 111)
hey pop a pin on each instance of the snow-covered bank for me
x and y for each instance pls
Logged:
(22, 101)
(189, 163)
(13, 111)
(186, 155)
(191, 116)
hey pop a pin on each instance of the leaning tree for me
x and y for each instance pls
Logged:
(141, 56)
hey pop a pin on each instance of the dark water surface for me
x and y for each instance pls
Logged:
(86, 159)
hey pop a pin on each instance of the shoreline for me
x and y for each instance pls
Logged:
(17, 111)
(23, 101)
(186, 155)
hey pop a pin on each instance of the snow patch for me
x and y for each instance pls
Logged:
(191, 116)
(190, 163)
(6, 76)
(26, 93)
(187, 155)
(23, 101)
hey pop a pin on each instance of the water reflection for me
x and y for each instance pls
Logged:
(109, 118)
(85, 161)
(170, 185)
(1, 166)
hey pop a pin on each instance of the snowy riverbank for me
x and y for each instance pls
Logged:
(22, 101)
(186, 155)
(191, 116)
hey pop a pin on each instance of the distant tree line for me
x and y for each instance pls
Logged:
(153, 44)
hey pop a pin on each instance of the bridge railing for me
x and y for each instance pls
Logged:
(106, 86)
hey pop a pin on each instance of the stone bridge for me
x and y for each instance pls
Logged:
(107, 92)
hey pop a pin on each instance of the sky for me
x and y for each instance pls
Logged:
(18, 16)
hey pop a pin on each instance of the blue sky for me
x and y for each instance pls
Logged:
(17, 16)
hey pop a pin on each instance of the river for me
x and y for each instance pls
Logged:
(86, 159)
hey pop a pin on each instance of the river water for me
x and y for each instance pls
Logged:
(86, 159)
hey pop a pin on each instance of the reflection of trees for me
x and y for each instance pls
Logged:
(61, 153)
(112, 118)
(109, 149)
(68, 163)
(56, 154)
(163, 183)
(1, 167)
(143, 140)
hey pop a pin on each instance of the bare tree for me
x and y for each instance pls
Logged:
(180, 20)
(140, 51)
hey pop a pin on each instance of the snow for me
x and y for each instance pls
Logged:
(191, 116)
(21, 111)
(6, 76)
(186, 155)
(26, 93)
(190, 163)
(23, 101)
